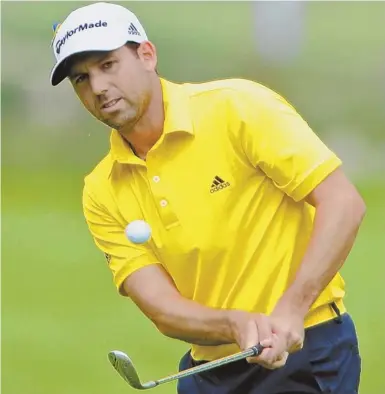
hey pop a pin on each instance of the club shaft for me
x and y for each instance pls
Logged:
(251, 352)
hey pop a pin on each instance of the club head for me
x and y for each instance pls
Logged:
(124, 366)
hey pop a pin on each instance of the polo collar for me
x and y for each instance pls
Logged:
(176, 108)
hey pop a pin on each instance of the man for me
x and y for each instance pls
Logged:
(252, 216)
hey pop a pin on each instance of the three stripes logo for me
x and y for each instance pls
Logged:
(133, 30)
(108, 257)
(218, 184)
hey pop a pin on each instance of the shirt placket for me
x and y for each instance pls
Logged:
(161, 196)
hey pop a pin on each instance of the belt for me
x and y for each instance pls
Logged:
(326, 312)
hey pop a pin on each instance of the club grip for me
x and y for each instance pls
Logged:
(257, 350)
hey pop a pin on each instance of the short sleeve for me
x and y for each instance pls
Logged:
(278, 140)
(123, 257)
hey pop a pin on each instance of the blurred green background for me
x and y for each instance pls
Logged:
(60, 312)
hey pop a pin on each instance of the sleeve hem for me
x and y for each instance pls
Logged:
(129, 268)
(315, 177)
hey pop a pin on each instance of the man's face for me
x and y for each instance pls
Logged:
(115, 86)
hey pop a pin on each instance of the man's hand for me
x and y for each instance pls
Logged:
(288, 328)
(250, 329)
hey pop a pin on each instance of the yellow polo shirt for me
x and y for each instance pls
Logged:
(223, 192)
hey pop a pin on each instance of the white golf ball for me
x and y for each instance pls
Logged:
(138, 231)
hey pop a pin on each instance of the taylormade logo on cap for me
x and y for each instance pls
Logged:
(80, 28)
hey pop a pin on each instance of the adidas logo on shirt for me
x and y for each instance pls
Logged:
(133, 30)
(218, 184)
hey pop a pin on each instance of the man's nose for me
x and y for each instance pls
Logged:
(98, 84)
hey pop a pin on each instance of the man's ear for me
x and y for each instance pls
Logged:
(147, 54)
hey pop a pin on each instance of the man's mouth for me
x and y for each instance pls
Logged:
(110, 104)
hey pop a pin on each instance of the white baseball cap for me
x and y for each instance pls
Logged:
(95, 27)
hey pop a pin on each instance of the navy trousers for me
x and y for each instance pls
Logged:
(328, 363)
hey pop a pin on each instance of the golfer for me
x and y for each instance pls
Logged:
(252, 216)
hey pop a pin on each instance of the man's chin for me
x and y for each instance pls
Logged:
(119, 124)
(119, 119)
(113, 121)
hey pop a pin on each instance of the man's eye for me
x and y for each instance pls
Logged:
(108, 64)
(80, 79)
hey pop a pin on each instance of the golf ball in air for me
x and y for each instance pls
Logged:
(138, 231)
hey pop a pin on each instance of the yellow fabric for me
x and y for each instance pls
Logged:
(229, 242)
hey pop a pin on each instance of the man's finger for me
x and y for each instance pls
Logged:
(296, 344)
(264, 328)
(279, 362)
(252, 335)
(270, 364)
(272, 354)
(263, 333)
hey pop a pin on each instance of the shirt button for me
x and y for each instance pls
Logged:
(156, 179)
(163, 203)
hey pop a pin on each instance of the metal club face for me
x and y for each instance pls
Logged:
(124, 366)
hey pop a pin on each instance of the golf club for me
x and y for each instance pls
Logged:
(124, 366)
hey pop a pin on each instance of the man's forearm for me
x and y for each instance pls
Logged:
(179, 317)
(335, 228)
(194, 323)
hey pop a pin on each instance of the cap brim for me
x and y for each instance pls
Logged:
(60, 71)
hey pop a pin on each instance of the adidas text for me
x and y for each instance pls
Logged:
(80, 28)
(219, 187)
